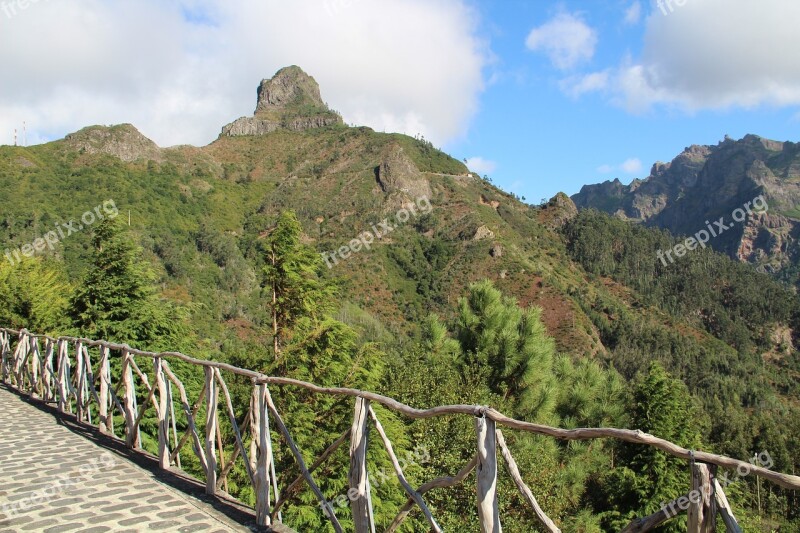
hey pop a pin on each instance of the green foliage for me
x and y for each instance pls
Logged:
(512, 344)
(115, 300)
(291, 277)
(34, 294)
(662, 406)
(730, 300)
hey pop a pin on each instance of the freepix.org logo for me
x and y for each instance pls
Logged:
(715, 229)
(62, 231)
(668, 6)
(364, 241)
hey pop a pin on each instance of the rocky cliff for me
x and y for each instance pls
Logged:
(289, 100)
(704, 183)
(123, 141)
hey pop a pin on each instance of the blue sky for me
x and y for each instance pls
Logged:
(540, 140)
(543, 96)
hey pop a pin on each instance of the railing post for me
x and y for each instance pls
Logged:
(129, 403)
(358, 492)
(63, 376)
(20, 359)
(47, 370)
(4, 351)
(702, 504)
(163, 414)
(486, 471)
(33, 350)
(80, 369)
(212, 398)
(104, 370)
(259, 456)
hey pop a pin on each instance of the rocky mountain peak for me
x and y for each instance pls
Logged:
(289, 87)
(123, 141)
(290, 100)
(705, 182)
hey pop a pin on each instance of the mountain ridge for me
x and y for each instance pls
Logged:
(707, 182)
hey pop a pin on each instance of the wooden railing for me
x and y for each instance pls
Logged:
(61, 371)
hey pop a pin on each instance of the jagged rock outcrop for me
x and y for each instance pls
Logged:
(558, 211)
(290, 86)
(123, 141)
(704, 183)
(290, 100)
(398, 173)
(483, 233)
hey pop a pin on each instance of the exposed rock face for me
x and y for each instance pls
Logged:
(289, 87)
(558, 211)
(122, 141)
(707, 182)
(290, 100)
(398, 173)
(483, 233)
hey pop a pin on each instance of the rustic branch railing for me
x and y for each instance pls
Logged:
(48, 375)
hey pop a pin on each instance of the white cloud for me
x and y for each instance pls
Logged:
(633, 14)
(566, 40)
(629, 166)
(605, 169)
(714, 54)
(180, 70)
(579, 85)
(481, 165)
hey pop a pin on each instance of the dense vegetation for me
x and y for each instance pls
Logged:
(583, 327)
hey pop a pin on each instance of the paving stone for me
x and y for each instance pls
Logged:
(39, 525)
(195, 527)
(64, 528)
(167, 524)
(42, 471)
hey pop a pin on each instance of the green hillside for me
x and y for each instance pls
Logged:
(713, 337)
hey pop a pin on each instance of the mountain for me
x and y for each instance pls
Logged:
(704, 183)
(404, 230)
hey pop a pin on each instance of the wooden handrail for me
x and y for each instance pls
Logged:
(29, 372)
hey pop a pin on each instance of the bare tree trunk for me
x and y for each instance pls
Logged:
(274, 314)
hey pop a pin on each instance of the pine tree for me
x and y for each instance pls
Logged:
(513, 344)
(34, 294)
(291, 276)
(116, 300)
(647, 477)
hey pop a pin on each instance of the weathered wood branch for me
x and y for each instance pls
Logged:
(439, 482)
(486, 478)
(725, 511)
(358, 480)
(237, 433)
(513, 470)
(190, 414)
(302, 464)
(702, 505)
(212, 399)
(649, 523)
(417, 497)
(291, 490)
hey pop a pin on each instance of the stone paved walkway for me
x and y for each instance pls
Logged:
(55, 479)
